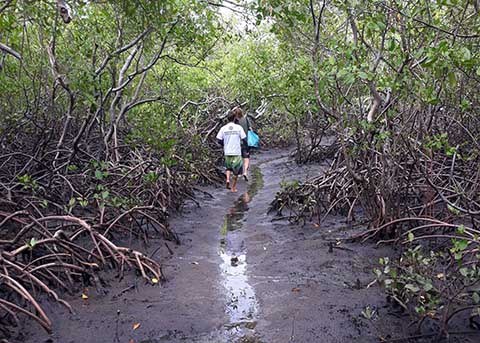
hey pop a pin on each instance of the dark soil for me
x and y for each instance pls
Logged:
(239, 277)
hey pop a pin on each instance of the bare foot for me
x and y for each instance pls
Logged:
(234, 190)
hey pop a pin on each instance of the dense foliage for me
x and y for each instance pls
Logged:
(107, 116)
(397, 84)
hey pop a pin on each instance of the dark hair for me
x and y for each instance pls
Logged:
(238, 112)
(231, 116)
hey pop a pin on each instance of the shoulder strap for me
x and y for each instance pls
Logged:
(248, 122)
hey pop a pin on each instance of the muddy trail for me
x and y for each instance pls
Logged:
(240, 276)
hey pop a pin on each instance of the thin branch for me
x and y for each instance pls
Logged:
(122, 49)
(10, 51)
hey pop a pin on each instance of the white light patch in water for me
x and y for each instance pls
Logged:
(242, 303)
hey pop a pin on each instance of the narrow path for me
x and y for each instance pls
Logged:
(238, 277)
(242, 306)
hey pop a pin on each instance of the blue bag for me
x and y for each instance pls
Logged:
(252, 139)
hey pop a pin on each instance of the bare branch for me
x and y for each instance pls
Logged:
(10, 51)
(5, 5)
(122, 49)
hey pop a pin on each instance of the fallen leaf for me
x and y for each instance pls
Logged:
(194, 262)
(136, 326)
(154, 280)
(84, 296)
(316, 224)
(295, 289)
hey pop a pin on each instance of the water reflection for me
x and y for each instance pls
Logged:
(241, 303)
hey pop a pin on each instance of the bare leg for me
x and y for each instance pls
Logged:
(234, 184)
(246, 164)
(228, 178)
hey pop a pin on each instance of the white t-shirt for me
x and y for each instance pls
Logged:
(232, 135)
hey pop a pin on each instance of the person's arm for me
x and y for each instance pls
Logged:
(220, 137)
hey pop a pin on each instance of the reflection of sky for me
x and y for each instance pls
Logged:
(241, 296)
(241, 300)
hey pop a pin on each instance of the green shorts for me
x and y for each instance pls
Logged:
(234, 164)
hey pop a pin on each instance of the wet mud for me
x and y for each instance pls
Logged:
(238, 276)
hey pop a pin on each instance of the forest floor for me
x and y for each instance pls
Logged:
(238, 276)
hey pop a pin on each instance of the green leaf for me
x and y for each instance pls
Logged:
(411, 237)
(428, 286)
(98, 174)
(466, 54)
(44, 203)
(391, 45)
(452, 80)
(476, 297)
(430, 60)
(461, 244)
(31, 244)
(363, 75)
(453, 209)
(420, 309)
(412, 288)
(381, 25)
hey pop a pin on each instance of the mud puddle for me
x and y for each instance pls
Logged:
(241, 301)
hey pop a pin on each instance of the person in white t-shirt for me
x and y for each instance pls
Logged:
(231, 136)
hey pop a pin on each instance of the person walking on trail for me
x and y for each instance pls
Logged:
(231, 137)
(245, 124)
